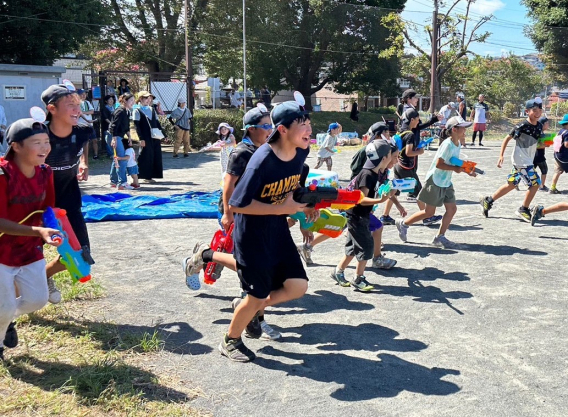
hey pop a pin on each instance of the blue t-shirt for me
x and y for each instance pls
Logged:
(264, 241)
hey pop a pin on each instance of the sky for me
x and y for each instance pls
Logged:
(506, 28)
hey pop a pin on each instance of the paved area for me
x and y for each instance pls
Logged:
(477, 331)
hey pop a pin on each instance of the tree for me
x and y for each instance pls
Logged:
(454, 37)
(503, 80)
(302, 44)
(151, 32)
(38, 32)
(549, 33)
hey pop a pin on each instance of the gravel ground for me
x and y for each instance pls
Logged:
(476, 331)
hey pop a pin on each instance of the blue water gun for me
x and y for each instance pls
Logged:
(301, 217)
(425, 142)
(76, 259)
(404, 185)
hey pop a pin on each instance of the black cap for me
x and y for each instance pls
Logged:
(285, 113)
(22, 129)
(54, 93)
(254, 116)
(410, 114)
(543, 119)
(408, 94)
(376, 151)
(378, 128)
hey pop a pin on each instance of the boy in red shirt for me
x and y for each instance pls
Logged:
(26, 186)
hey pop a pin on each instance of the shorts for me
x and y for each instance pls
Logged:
(543, 166)
(132, 170)
(374, 223)
(560, 167)
(528, 175)
(433, 195)
(401, 173)
(260, 282)
(479, 127)
(360, 242)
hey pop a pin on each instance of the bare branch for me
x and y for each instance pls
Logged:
(413, 44)
(447, 14)
(117, 10)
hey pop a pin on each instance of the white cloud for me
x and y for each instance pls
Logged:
(487, 7)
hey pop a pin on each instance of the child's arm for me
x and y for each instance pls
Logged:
(289, 206)
(441, 164)
(410, 151)
(12, 228)
(395, 201)
(369, 201)
(503, 147)
(228, 189)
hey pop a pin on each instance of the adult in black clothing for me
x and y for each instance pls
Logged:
(123, 88)
(150, 159)
(107, 109)
(354, 112)
(119, 128)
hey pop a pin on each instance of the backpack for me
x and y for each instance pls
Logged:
(398, 138)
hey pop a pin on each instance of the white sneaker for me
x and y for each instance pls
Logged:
(268, 333)
(126, 186)
(54, 293)
(382, 262)
(305, 253)
(443, 242)
(402, 229)
(193, 264)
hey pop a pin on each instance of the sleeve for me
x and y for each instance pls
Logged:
(175, 114)
(515, 131)
(3, 194)
(326, 141)
(445, 152)
(304, 175)
(50, 191)
(237, 162)
(366, 181)
(409, 138)
(429, 123)
(136, 115)
(247, 188)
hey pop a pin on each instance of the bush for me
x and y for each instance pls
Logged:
(383, 110)
(561, 107)
(497, 115)
(510, 110)
(207, 121)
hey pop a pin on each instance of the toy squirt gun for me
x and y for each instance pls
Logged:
(404, 185)
(467, 166)
(76, 259)
(547, 140)
(327, 197)
(329, 223)
(221, 242)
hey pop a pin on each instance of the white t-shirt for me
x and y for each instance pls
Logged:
(328, 142)
(446, 112)
(132, 161)
(480, 110)
(85, 106)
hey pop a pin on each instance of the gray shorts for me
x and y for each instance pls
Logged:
(433, 195)
(359, 238)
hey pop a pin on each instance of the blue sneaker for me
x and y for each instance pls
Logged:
(387, 220)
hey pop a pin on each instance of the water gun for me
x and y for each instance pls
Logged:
(425, 142)
(76, 259)
(221, 242)
(547, 140)
(468, 166)
(324, 197)
(329, 223)
(404, 185)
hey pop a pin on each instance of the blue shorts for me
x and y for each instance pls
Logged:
(374, 223)
(528, 175)
(132, 170)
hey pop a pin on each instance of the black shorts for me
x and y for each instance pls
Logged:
(260, 282)
(543, 166)
(401, 173)
(359, 238)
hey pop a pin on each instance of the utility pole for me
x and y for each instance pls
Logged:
(434, 60)
(188, 65)
(244, 56)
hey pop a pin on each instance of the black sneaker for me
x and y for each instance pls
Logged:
(431, 220)
(486, 206)
(235, 350)
(524, 214)
(175, 155)
(536, 214)
(11, 338)
(387, 220)
(253, 329)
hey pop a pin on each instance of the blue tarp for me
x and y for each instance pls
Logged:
(118, 206)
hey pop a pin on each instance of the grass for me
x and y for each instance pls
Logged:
(69, 363)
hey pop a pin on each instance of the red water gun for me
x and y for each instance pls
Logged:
(221, 242)
(324, 197)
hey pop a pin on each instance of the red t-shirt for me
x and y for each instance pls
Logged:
(20, 196)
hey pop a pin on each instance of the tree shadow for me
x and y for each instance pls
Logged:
(546, 223)
(367, 337)
(90, 381)
(177, 337)
(321, 301)
(362, 379)
(500, 250)
(425, 274)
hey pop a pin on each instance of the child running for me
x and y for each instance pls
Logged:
(68, 159)
(439, 190)
(560, 155)
(268, 265)
(526, 136)
(326, 150)
(26, 186)
(540, 156)
(360, 242)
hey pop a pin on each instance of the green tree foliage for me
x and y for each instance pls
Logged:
(550, 33)
(303, 44)
(38, 32)
(503, 80)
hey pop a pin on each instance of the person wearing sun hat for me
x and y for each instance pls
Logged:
(326, 149)
(526, 136)
(26, 187)
(148, 128)
(268, 263)
(181, 119)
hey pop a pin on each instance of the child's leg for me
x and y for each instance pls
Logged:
(531, 192)
(225, 259)
(320, 238)
(135, 179)
(503, 190)
(345, 261)
(388, 207)
(319, 163)
(428, 212)
(32, 286)
(451, 209)
(543, 172)
(361, 265)
(555, 177)
(95, 142)
(292, 289)
(329, 163)
(555, 208)
(244, 313)
(54, 266)
(8, 304)
(377, 240)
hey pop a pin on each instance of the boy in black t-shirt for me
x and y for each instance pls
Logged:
(68, 159)
(360, 242)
